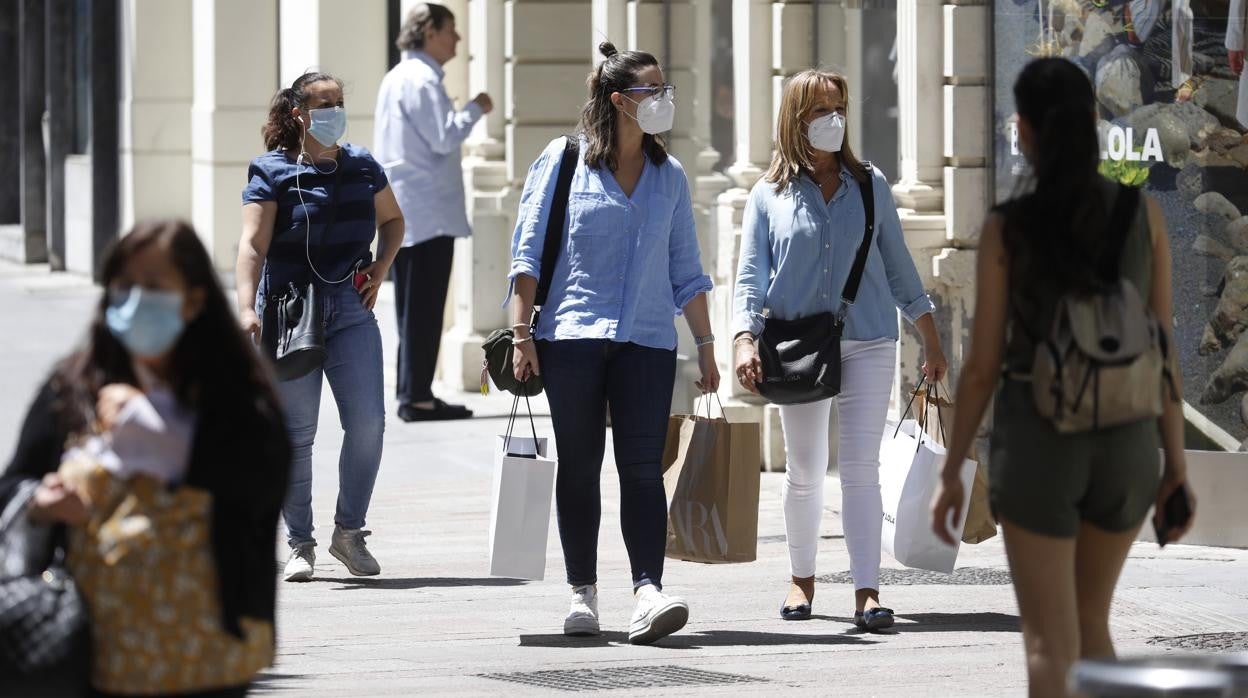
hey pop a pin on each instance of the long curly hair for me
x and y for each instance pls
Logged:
(600, 118)
(282, 129)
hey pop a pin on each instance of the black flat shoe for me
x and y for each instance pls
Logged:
(874, 619)
(798, 612)
(440, 411)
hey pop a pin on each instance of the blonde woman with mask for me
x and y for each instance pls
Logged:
(804, 222)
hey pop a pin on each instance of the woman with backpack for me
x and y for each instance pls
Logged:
(1070, 494)
(628, 264)
(312, 208)
(803, 233)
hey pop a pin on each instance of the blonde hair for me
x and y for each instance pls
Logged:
(794, 154)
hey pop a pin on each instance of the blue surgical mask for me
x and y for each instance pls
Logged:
(148, 322)
(328, 125)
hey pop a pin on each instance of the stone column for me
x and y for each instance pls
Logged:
(685, 26)
(347, 40)
(58, 54)
(233, 89)
(529, 55)
(920, 192)
(967, 46)
(156, 94)
(105, 59)
(10, 84)
(30, 245)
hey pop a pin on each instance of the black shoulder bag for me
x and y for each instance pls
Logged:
(801, 358)
(292, 330)
(498, 347)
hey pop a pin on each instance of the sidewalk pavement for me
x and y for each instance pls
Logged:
(434, 624)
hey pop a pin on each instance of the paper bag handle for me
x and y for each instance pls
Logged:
(515, 408)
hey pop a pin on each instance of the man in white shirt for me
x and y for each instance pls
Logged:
(417, 139)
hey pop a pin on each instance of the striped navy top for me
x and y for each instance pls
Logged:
(273, 177)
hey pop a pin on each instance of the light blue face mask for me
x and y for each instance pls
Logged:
(329, 124)
(148, 322)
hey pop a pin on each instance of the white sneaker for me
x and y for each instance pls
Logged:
(583, 617)
(657, 615)
(349, 547)
(299, 565)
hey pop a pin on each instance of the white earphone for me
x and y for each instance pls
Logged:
(307, 219)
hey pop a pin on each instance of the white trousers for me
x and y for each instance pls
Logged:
(866, 381)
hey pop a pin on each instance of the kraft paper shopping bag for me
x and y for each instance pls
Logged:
(712, 485)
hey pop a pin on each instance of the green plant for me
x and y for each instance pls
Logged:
(1130, 172)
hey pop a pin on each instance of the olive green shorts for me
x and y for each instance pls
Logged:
(1047, 483)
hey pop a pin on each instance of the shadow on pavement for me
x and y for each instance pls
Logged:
(957, 623)
(271, 682)
(401, 583)
(693, 641)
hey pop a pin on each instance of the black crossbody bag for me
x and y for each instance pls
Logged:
(292, 330)
(498, 347)
(801, 358)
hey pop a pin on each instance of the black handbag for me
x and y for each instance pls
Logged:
(292, 330)
(801, 358)
(498, 346)
(43, 618)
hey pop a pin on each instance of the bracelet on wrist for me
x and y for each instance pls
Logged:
(518, 341)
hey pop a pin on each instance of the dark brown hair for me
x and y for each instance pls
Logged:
(283, 130)
(215, 370)
(423, 17)
(1054, 232)
(599, 117)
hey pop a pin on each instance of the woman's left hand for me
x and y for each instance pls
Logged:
(376, 273)
(709, 368)
(948, 500)
(935, 365)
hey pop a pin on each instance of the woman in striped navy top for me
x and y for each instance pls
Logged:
(311, 209)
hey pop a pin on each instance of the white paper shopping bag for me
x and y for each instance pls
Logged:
(524, 483)
(910, 465)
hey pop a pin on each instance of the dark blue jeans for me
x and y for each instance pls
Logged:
(583, 377)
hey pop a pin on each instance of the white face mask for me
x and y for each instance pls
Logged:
(655, 116)
(827, 133)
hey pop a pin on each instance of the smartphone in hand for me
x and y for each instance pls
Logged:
(359, 280)
(1174, 514)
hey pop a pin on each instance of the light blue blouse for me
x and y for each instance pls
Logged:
(797, 251)
(627, 266)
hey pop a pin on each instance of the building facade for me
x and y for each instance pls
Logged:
(138, 108)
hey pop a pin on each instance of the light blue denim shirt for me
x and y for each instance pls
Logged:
(797, 251)
(628, 266)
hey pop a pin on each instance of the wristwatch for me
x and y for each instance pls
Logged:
(703, 341)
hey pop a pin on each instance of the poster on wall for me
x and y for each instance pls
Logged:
(1173, 99)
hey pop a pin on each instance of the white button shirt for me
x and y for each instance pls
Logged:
(417, 138)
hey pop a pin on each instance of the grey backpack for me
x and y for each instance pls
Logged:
(1106, 361)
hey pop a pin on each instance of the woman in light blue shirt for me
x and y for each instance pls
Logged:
(803, 224)
(628, 264)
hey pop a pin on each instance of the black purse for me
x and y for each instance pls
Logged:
(801, 358)
(292, 330)
(43, 618)
(498, 347)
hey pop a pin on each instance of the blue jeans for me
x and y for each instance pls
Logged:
(583, 377)
(353, 365)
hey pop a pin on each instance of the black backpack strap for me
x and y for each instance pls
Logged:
(556, 220)
(1120, 219)
(867, 190)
